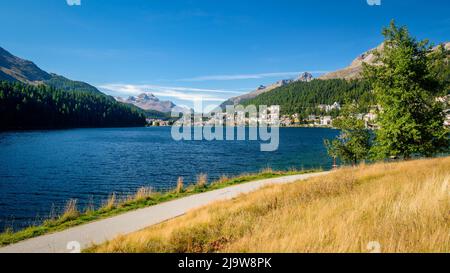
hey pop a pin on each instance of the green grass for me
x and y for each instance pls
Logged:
(143, 198)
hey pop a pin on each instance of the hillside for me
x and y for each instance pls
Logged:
(31, 98)
(152, 114)
(304, 97)
(25, 106)
(396, 207)
(13, 69)
(304, 77)
(355, 69)
(62, 83)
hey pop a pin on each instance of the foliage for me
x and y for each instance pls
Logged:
(153, 114)
(304, 97)
(353, 143)
(61, 83)
(41, 107)
(406, 82)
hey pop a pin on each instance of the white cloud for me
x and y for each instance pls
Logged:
(247, 76)
(188, 97)
(181, 93)
(140, 88)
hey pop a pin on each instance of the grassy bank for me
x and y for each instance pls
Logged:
(144, 197)
(396, 207)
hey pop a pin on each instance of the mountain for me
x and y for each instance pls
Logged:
(355, 69)
(21, 70)
(15, 69)
(303, 98)
(26, 106)
(62, 83)
(304, 77)
(149, 102)
(31, 98)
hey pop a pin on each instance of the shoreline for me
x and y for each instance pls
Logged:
(143, 198)
(100, 231)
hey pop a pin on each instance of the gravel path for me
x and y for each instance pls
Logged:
(76, 238)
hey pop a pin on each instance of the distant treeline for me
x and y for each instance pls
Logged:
(304, 97)
(61, 83)
(41, 107)
(152, 114)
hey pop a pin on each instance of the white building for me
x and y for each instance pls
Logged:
(326, 121)
(329, 108)
(447, 120)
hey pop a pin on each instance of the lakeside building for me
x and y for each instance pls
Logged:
(286, 121)
(158, 122)
(326, 121)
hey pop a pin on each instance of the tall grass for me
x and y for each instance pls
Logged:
(110, 203)
(70, 211)
(202, 180)
(114, 205)
(142, 194)
(400, 207)
(180, 185)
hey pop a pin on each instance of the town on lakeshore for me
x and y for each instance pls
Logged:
(273, 117)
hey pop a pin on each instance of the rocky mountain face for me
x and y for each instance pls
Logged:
(19, 69)
(354, 71)
(149, 102)
(304, 77)
(13, 69)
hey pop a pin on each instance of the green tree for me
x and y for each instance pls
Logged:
(406, 84)
(40, 107)
(353, 143)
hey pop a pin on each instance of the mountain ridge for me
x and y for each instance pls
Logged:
(354, 70)
(349, 73)
(13, 68)
(149, 102)
(304, 77)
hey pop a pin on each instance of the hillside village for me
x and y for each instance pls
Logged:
(334, 85)
(323, 120)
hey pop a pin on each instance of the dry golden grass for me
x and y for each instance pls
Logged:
(71, 210)
(223, 179)
(202, 180)
(405, 207)
(180, 185)
(142, 194)
(110, 203)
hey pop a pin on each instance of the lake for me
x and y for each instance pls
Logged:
(41, 170)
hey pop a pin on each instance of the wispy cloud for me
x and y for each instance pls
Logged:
(246, 76)
(181, 93)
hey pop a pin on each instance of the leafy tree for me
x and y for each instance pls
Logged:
(353, 143)
(406, 81)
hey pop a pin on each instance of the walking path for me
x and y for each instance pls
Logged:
(76, 238)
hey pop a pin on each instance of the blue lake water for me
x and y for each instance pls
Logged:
(41, 170)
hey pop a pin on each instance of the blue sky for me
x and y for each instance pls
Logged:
(213, 49)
